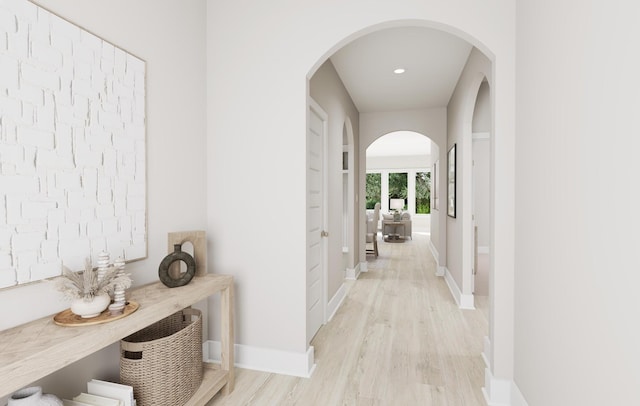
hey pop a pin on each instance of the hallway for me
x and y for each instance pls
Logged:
(398, 339)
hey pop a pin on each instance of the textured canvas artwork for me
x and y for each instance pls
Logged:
(72, 146)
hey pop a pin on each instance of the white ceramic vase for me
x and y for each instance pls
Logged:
(33, 396)
(92, 308)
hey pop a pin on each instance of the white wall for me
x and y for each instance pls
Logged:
(400, 162)
(326, 88)
(259, 58)
(577, 220)
(482, 110)
(172, 43)
(481, 190)
(459, 125)
(438, 214)
(481, 129)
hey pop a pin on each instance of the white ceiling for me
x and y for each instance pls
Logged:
(433, 61)
(400, 143)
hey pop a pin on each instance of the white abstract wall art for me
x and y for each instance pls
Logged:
(72, 146)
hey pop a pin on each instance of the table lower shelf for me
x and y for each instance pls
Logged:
(213, 379)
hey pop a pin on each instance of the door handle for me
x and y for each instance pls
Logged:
(324, 233)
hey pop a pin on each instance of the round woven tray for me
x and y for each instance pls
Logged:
(67, 318)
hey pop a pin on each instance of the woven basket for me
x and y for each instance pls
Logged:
(163, 362)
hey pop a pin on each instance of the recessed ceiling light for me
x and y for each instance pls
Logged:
(398, 71)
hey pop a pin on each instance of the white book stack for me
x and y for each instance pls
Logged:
(67, 402)
(124, 393)
(103, 393)
(94, 400)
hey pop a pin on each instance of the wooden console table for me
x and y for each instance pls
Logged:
(38, 348)
(393, 237)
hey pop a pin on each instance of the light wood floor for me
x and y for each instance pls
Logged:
(398, 339)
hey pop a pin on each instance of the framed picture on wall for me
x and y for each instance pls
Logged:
(451, 182)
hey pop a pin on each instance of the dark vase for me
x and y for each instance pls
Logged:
(181, 279)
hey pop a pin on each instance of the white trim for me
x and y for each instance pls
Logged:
(440, 270)
(483, 250)
(434, 251)
(336, 301)
(467, 302)
(364, 267)
(264, 359)
(463, 301)
(350, 172)
(517, 399)
(497, 392)
(501, 392)
(352, 273)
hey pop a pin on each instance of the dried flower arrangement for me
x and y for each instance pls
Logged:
(86, 285)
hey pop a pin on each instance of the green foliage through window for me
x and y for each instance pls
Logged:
(423, 192)
(373, 189)
(398, 187)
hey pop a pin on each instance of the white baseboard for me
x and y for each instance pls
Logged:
(501, 392)
(497, 392)
(364, 267)
(336, 301)
(517, 399)
(264, 359)
(464, 301)
(352, 273)
(467, 302)
(441, 270)
(434, 251)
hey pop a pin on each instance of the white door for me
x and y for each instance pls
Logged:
(316, 218)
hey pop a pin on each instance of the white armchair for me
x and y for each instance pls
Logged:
(373, 216)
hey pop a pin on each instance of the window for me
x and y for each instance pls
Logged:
(423, 192)
(398, 187)
(373, 189)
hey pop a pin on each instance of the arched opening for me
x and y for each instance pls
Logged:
(256, 116)
(460, 227)
(450, 238)
(399, 166)
(480, 190)
(348, 202)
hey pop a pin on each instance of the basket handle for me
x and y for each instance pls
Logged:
(189, 311)
(132, 347)
(131, 351)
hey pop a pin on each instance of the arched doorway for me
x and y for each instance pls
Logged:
(449, 232)
(348, 199)
(399, 165)
(256, 115)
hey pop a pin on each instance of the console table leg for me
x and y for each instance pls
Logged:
(227, 337)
